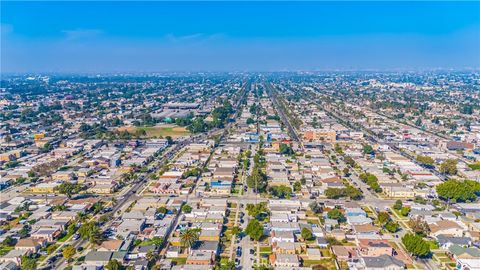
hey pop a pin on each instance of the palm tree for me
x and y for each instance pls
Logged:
(189, 237)
(152, 256)
(95, 236)
(81, 217)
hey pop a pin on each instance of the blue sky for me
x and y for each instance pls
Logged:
(238, 36)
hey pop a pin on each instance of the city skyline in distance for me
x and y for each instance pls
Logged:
(109, 37)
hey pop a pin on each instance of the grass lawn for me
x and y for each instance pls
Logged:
(325, 252)
(398, 214)
(65, 237)
(327, 263)
(313, 221)
(343, 265)
(159, 131)
(5, 249)
(265, 249)
(178, 261)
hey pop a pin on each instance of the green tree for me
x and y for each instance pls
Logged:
(254, 229)
(338, 149)
(449, 167)
(68, 252)
(306, 234)
(315, 207)
(257, 180)
(52, 248)
(162, 210)
(114, 265)
(368, 149)
(28, 263)
(9, 241)
(282, 192)
(353, 193)
(415, 245)
(392, 226)
(230, 265)
(285, 149)
(405, 211)
(383, 218)
(186, 208)
(297, 186)
(418, 122)
(91, 232)
(335, 193)
(456, 191)
(350, 162)
(254, 210)
(466, 109)
(69, 188)
(189, 237)
(398, 205)
(337, 215)
(425, 160)
(236, 230)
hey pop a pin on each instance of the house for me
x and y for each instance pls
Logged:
(344, 253)
(14, 256)
(98, 258)
(48, 187)
(29, 244)
(374, 247)
(283, 236)
(173, 251)
(321, 242)
(359, 220)
(198, 257)
(351, 212)
(383, 262)
(143, 250)
(207, 246)
(466, 258)
(110, 245)
(365, 229)
(446, 227)
(210, 235)
(454, 146)
(314, 254)
(285, 247)
(445, 241)
(46, 234)
(286, 260)
(397, 191)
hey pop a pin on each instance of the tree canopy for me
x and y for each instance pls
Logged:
(449, 166)
(425, 160)
(254, 229)
(306, 234)
(282, 192)
(416, 245)
(458, 191)
(337, 215)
